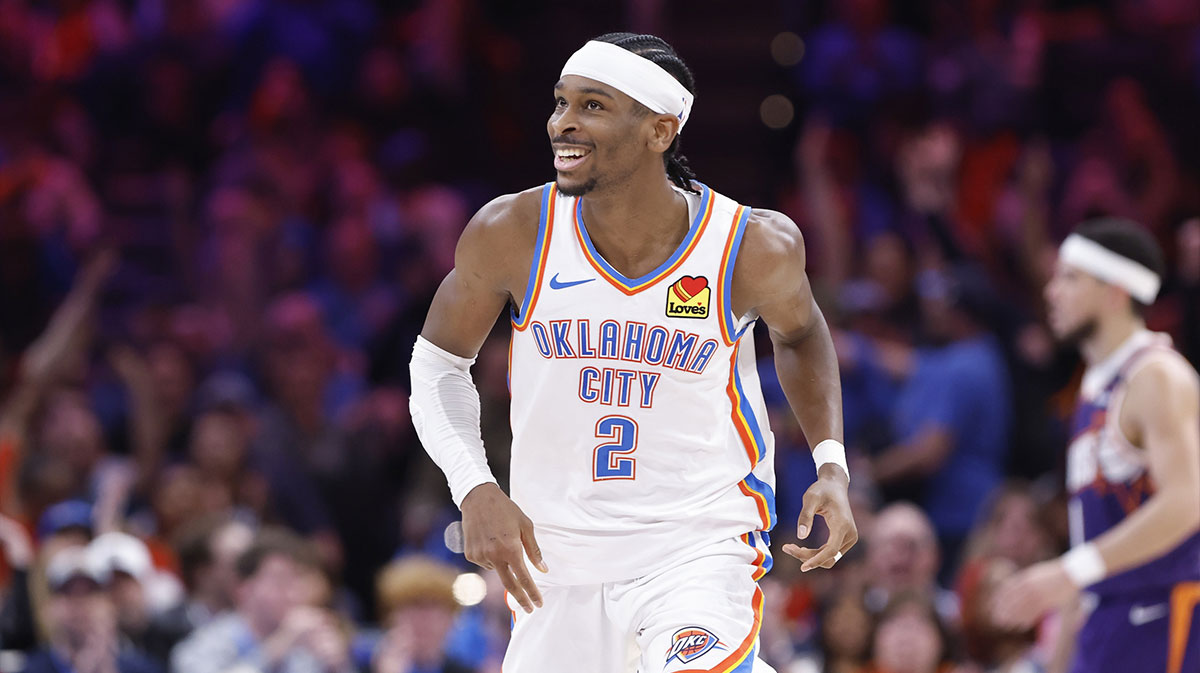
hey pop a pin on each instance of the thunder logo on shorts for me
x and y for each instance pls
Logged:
(692, 642)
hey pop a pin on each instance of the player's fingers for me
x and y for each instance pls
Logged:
(522, 576)
(801, 553)
(805, 522)
(845, 531)
(531, 547)
(514, 587)
(826, 554)
(1007, 606)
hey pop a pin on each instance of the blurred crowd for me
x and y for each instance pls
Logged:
(222, 222)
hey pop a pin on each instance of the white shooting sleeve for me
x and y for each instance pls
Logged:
(445, 411)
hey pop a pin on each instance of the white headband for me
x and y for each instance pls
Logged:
(1087, 255)
(639, 78)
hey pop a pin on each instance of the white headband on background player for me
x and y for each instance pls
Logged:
(639, 78)
(1087, 255)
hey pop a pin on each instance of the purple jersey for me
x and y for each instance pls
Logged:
(1108, 476)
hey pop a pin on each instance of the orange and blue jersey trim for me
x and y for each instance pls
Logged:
(741, 660)
(764, 499)
(728, 321)
(760, 542)
(743, 414)
(520, 315)
(750, 432)
(631, 286)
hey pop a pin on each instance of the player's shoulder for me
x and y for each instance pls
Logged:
(509, 212)
(504, 223)
(770, 238)
(1164, 376)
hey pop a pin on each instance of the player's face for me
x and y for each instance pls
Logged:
(595, 134)
(1073, 301)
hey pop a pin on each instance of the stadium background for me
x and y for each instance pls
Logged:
(221, 223)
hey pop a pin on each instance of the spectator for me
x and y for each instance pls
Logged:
(903, 557)
(846, 634)
(275, 625)
(208, 550)
(136, 588)
(1010, 527)
(910, 638)
(417, 598)
(64, 525)
(952, 413)
(219, 449)
(998, 649)
(1010, 536)
(81, 621)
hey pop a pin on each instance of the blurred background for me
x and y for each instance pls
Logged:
(222, 221)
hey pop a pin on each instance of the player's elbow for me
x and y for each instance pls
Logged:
(1192, 507)
(1185, 508)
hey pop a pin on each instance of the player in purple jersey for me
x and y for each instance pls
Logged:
(1133, 468)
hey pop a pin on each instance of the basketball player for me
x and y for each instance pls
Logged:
(642, 478)
(1133, 467)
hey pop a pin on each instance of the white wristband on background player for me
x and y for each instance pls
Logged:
(445, 412)
(1084, 565)
(831, 451)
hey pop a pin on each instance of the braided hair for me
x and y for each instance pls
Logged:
(656, 50)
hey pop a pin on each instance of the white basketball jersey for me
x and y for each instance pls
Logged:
(639, 428)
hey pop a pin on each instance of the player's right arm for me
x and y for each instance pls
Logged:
(491, 267)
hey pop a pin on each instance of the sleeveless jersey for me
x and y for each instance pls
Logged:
(639, 428)
(1107, 475)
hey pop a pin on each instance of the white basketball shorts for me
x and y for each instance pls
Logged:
(702, 614)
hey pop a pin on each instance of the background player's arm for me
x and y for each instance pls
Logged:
(1162, 409)
(769, 280)
(491, 266)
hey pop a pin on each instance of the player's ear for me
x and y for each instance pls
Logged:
(663, 130)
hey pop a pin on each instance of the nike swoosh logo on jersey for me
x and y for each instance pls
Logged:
(1144, 614)
(556, 284)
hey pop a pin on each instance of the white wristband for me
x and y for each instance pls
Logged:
(1084, 565)
(831, 451)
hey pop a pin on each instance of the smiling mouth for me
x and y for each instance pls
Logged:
(568, 158)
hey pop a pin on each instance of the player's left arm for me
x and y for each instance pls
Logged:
(1162, 409)
(770, 281)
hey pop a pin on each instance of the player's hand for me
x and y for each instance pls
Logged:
(828, 498)
(497, 535)
(1022, 599)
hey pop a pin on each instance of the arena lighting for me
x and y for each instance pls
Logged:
(776, 111)
(453, 537)
(787, 49)
(469, 589)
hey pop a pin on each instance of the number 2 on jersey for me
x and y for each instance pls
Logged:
(611, 459)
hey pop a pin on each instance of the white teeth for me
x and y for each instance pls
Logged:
(569, 153)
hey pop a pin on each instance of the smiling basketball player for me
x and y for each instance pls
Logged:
(642, 476)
